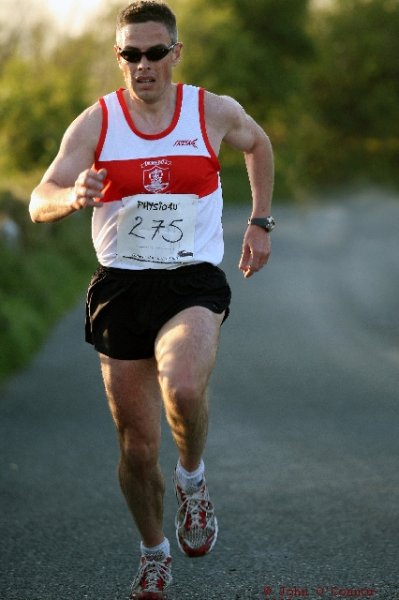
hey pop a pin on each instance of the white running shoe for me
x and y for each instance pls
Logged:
(153, 577)
(196, 524)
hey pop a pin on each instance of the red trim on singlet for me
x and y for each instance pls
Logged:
(104, 128)
(201, 109)
(156, 136)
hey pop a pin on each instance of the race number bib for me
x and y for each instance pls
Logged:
(157, 230)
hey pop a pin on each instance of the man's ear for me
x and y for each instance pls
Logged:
(177, 53)
(118, 57)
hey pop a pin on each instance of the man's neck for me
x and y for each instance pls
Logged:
(152, 117)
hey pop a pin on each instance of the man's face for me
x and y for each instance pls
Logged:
(146, 80)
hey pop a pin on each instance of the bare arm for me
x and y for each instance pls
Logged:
(233, 125)
(71, 183)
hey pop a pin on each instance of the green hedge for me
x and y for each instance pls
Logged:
(42, 273)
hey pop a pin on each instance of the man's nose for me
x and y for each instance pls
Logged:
(143, 63)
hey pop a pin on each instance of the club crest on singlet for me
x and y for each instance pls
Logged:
(156, 175)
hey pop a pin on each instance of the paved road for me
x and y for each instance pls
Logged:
(303, 447)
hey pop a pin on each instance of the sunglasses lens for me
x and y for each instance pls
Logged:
(155, 54)
(133, 56)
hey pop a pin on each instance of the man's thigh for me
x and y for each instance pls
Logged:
(133, 395)
(186, 346)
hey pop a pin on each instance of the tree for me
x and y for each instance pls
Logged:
(247, 50)
(355, 88)
(40, 94)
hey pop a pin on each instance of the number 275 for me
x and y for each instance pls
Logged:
(158, 227)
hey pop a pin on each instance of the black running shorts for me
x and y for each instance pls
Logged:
(125, 309)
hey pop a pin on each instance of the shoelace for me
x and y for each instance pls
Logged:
(194, 505)
(151, 571)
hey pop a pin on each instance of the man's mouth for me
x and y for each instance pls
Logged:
(145, 80)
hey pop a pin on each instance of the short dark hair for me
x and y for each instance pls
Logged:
(141, 11)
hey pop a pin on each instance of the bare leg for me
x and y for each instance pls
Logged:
(134, 398)
(185, 355)
(185, 351)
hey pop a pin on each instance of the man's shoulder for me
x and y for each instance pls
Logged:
(93, 112)
(89, 115)
(220, 108)
(87, 126)
(213, 100)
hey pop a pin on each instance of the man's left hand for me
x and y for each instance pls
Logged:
(256, 249)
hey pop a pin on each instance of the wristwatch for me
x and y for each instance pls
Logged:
(267, 223)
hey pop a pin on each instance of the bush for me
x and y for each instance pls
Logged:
(42, 273)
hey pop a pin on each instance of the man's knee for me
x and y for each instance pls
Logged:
(139, 453)
(183, 394)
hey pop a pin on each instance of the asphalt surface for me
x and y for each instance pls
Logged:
(302, 458)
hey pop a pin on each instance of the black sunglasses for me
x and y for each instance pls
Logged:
(154, 54)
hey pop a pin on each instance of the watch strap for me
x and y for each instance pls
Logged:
(267, 223)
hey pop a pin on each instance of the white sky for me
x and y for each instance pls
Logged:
(67, 14)
(73, 12)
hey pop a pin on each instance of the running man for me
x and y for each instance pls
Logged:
(145, 160)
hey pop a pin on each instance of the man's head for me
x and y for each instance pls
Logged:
(147, 49)
(142, 11)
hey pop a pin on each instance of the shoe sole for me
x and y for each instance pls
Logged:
(149, 596)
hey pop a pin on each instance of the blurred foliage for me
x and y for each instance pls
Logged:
(43, 270)
(355, 91)
(249, 51)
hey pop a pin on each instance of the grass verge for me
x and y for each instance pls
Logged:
(42, 272)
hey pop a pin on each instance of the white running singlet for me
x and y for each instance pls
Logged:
(163, 198)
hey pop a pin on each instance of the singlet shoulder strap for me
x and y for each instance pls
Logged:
(104, 128)
(201, 108)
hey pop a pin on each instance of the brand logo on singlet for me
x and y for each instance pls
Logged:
(156, 175)
(192, 143)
